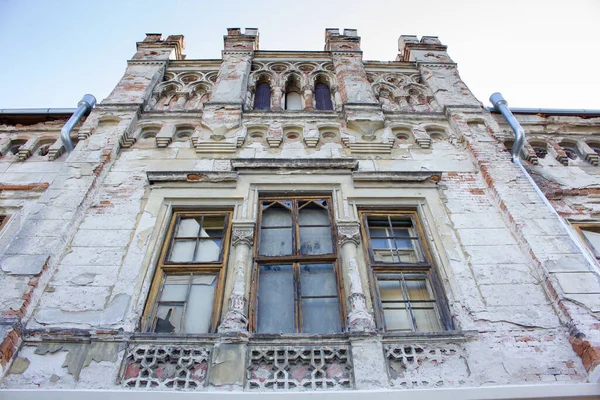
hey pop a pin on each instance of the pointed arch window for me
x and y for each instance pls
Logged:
(293, 98)
(323, 96)
(296, 285)
(262, 96)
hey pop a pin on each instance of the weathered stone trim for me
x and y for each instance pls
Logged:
(299, 367)
(300, 163)
(412, 365)
(399, 176)
(166, 367)
(190, 176)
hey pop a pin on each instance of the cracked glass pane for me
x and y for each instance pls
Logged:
(208, 250)
(188, 227)
(276, 299)
(200, 304)
(183, 250)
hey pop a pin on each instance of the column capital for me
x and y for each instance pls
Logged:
(242, 233)
(348, 231)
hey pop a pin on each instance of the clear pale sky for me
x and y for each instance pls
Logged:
(537, 53)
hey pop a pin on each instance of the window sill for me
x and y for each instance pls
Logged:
(455, 336)
(169, 338)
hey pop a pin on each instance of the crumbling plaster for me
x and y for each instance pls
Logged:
(93, 237)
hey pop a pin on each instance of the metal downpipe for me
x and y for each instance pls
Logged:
(84, 107)
(501, 106)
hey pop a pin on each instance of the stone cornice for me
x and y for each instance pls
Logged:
(210, 64)
(299, 163)
(436, 64)
(148, 62)
(397, 176)
(191, 176)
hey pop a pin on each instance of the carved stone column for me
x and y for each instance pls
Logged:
(359, 318)
(308, 98)
(236, 320)
(337, 98)
(182, 97)
(277, 98)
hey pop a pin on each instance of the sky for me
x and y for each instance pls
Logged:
(539, 54)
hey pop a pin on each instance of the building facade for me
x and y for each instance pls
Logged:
(299, 221)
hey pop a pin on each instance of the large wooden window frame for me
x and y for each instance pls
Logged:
(296, 260)
(165, 268)
(424, 267)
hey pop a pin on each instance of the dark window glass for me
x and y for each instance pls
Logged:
(295, 295)
(407, 288)
(262, 97)
(323, 97)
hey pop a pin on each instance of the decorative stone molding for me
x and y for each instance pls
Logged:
(359, 318)
(426, 365)
(289, 368)
(242, 235)
(349, 233)
(296, 163)
(235, 321)
(397, 176)
(191, 176)
(371, 148)
(166, 367)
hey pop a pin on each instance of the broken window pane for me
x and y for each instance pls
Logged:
(276, 299)
(200, 304)
(175, 288)
(208, 250)
(320, 315)
(188, 227)
(183, 251)
(168, 318)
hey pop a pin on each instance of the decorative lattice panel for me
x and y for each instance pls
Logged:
(172, 367)
(311, 368)
(426, 365)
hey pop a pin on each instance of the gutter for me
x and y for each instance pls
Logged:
(550, 111)
(36, 111)
(84, 107)
(501, 106)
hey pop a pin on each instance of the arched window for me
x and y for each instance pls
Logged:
(293, 98)
(323, 97)
(262, 96)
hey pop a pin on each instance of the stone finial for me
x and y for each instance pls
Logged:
(236, 40)
(403, 43)
(429, 48)
(431, 40)
(153, 37)
(348, 41)
(155, 48)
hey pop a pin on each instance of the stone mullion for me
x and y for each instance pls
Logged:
(308, 98)
(359, 319)
(236, 318)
